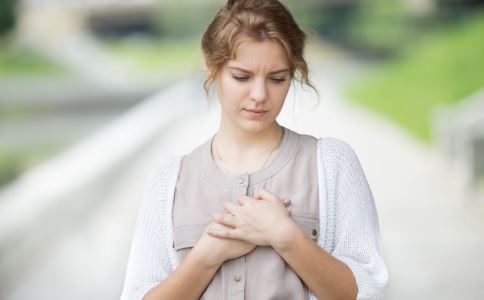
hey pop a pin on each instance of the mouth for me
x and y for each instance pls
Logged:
(256, 113)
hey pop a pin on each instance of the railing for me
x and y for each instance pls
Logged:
(459, 131)
(36, 208)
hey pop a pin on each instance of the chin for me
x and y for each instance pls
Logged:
(254, 126)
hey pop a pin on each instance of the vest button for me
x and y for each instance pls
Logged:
(241, 180)
(237, 278)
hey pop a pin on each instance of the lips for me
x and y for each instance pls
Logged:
(256, 113)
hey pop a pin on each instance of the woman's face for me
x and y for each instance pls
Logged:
(253, 86)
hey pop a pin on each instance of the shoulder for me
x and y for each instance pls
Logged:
(305, 142)
(329, 149)
(166, 164)
(165, 169)
(170, 167)
(337, 157)
(334, 149)
(158, 184)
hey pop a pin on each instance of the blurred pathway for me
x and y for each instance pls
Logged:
(432, 235)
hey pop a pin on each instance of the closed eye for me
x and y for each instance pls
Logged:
(240, 78)
(245, 78)
(278, 80)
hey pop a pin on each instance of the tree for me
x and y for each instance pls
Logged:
(7, 15)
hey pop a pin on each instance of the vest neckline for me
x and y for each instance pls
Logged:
(213, 174)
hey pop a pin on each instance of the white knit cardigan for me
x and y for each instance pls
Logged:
(348, 223)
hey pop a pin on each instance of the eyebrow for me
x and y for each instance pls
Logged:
(273, 72)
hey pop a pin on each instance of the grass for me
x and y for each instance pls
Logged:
(441, 68)
(22, 62)
(14, 161)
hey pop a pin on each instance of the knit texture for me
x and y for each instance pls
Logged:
(348, 223)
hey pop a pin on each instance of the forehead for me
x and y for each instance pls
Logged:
(253, 54)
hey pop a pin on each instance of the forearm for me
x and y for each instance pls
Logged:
(326, 276)
(188, 281)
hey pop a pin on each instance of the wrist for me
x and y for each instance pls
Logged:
(205, 261)
(282, 235)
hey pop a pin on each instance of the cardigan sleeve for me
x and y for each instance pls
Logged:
(355, 234)
(149, 257)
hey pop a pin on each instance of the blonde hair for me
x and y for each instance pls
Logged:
(260, 20)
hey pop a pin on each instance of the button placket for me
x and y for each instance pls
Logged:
(238, 278)
(243, 180)
(242, 187)
(238, 264)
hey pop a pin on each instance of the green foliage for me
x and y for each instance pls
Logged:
(441, 68)
(380, 26)
(184, 19)
(310, 15)
(7, 15)
(10, 166)
(373, 26)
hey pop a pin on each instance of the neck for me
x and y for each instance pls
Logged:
(237, 144)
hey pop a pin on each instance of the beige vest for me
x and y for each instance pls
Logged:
(202, 188)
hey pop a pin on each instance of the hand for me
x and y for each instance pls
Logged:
(214, 251)
(259, 220)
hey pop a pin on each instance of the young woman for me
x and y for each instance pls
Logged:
(258, 211)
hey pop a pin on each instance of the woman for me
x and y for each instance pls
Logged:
(258, 211)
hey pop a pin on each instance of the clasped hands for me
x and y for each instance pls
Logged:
(260, 221)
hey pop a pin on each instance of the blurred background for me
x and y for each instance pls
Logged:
(94, 93)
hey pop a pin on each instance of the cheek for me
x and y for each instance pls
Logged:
(232, 92)
(230, 85)
(280, 95)
(228, 96)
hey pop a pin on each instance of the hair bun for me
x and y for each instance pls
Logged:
(246, 3)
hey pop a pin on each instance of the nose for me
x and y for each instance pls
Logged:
(258, 91)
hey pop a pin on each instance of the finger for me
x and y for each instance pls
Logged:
(286, 202)
(217, 226)
(218, 233)
(227, 234)
(231, 207)
(225, 219)
(264, 194)
(242, 200)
